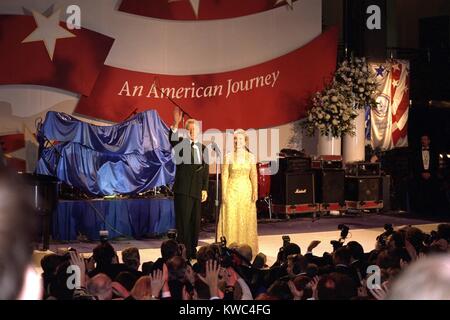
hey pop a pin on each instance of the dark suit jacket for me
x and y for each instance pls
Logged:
(190, 179)
(418, 163)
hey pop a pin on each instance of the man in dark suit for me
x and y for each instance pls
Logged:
(425, 167)
(191, 182)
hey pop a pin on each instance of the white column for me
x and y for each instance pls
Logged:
(329, 146)
(354, 146)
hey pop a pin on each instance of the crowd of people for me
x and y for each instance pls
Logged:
(406, 264)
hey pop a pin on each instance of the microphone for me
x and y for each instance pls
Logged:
(214, 146)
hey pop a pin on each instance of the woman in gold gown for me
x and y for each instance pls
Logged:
(238, 220)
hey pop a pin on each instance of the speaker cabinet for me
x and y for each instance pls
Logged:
(386, 181)
(330, 186)
(293, 188)
(362, 188)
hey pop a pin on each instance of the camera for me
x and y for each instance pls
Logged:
(286, 241)
(344, 231)
(344, 234)
(104, 235)
(172, 234)
(382, 238)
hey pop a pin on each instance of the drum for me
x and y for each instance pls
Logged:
(264, 174)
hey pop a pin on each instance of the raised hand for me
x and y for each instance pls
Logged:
(313, 285)
(157, 282)
(204, 195)
(177, 116)
(296, 293)
(381, 293)
(313, 245)
(211, 277)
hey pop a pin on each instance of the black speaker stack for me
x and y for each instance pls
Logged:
(363, 186)
(302, 185)
(293, 186)
(329, 174)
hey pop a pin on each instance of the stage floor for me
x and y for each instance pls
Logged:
(363, 228)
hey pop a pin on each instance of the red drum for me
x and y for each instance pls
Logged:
(263, 179)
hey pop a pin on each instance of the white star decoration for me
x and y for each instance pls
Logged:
(48, 30)
(288, 2)
(194, 3)
(396, 67)
(395, 83)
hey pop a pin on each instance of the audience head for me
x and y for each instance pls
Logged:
(296, 264)
(131, 258)
(426, 279)
(205, 253)
(126, 279)
(147, 268)
(280, 290)
(246, 251)
(104, 254)
(17, 233)
(169, 249)
(289, 250)
(177, 268)
(342, 256)
(142, 289)
(302, 284)
(336, 286)
(100, 286)
(356, 250)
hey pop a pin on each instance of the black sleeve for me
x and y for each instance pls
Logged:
(174, 139)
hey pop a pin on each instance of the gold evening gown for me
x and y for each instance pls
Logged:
(238, 220)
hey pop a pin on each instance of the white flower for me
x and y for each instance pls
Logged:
(334, 99)
(335, 122)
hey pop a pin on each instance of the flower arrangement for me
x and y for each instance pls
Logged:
(333, 110)
(355, 77)
(332, 113)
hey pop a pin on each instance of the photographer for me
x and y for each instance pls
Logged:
(169, 249)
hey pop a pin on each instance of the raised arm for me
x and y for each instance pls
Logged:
(173, 134)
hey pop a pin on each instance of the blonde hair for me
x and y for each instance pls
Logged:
(189, 121)
(241, 132)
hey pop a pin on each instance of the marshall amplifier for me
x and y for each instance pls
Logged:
(293, 188)
(364, 169)
(294, 164)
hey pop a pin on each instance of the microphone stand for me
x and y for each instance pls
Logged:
(171, 100)
(216, 149)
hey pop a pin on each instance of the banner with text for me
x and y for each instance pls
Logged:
(266, 95)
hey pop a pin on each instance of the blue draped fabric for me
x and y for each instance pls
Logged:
(134, 218)
(126, 158)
